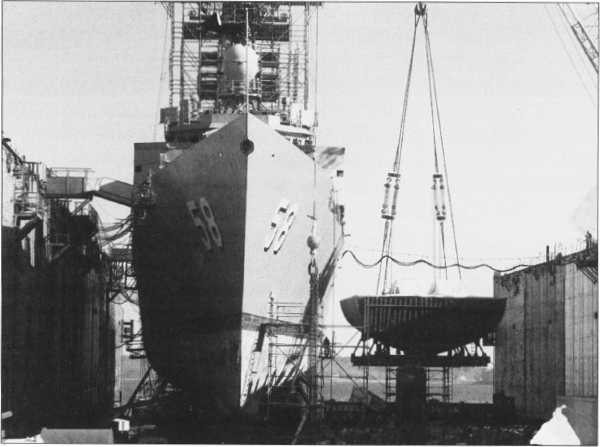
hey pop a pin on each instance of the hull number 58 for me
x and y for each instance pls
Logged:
(205, 222)
(280, 225)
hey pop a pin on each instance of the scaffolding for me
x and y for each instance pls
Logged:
(295, 359)
(439, 384)
(279, 34)
(437, 369)
(39, 196)
(122, 281)
(122, 288)
(29, 192)
(286, 354)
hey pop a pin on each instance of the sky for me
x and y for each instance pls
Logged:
(517, 102)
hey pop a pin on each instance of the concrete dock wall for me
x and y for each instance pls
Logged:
(58, 327)
(547, 343)
(581, 334)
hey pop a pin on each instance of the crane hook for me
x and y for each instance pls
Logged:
(421, 9)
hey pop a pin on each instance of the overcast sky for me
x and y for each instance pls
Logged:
(517, 102)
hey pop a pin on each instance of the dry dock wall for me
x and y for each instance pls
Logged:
(547, 343)
(58, 326)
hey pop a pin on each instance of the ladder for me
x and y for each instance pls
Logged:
(439, 384)
(390, 383)
(254, 360)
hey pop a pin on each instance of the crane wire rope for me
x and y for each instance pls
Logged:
(433, 106)
(388, 230)
(428, 44)
(584, 29)
(570, 58)
(432, 103)
(576, 43)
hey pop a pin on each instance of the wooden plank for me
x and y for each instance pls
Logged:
(569, 334)
(550, 341)
(546, 370)
(544, 374)
(545, 384)
(577, 342)
(520, 363)
(587, 317)
(534, 310)
(581, 330)
(499, 373)
(559, 331)
(519, 384)
(528, 354)
(583, 326)
(511, 340)
(594, 349)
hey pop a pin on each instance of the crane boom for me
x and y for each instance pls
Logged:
(583, 31)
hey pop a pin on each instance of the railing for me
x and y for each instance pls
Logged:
(238, 88)
(79, 208)
(55, 243)
(68, 172)
(27, 203)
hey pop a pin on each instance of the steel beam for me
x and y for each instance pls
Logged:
(453, 361)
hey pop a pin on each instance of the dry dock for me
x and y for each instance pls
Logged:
(59, 327)
(547, 343)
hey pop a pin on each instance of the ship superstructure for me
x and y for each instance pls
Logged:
(225, 205)
(208, 65)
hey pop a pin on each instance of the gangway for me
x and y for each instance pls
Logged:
(115, 191)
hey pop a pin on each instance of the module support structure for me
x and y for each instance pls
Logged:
(412, 379)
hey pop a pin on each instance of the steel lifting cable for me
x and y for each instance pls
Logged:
(433, 106)
(437, 111)
(398, 157)
(431, 101)
(388, 231)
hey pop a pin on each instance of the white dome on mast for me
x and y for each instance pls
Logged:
(234, 63)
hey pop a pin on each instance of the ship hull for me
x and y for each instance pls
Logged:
(416, 324)
(205, 268)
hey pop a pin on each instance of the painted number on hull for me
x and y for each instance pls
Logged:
(280, 225)
(205, 222)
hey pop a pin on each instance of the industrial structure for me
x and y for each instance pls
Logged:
(419, 338)
(547, 343)
(196, 57)
(231, 315)
(60, 326)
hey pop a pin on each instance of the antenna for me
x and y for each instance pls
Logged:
(247, 70)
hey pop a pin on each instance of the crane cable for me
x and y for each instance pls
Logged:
(437, 110)
(570, 58)
(433, 107)
(420, 11)
(387, 236)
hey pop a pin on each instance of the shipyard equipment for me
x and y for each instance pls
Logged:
(585, 28)
(439, 321)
